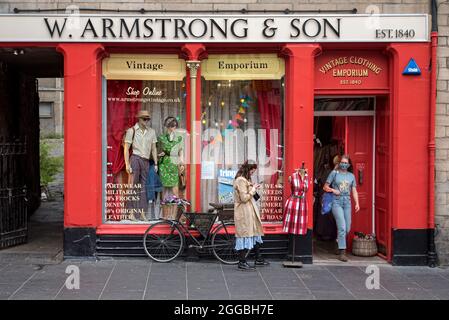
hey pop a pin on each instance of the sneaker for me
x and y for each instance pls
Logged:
(244, 266)
(261, 262)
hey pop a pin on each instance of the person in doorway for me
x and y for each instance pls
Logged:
(341, 182)
(248, 225)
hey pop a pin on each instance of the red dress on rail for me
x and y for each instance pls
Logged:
(295, 216)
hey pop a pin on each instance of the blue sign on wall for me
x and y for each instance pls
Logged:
(412, 68)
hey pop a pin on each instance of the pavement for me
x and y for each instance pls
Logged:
(141, 279)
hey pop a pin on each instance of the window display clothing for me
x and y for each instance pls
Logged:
(168, 163)
(295, 217)
(154, 184)
(144, 141)
(140, 167)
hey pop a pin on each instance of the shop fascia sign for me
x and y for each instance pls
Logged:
(214, 28)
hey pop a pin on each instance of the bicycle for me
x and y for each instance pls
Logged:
(165, 240)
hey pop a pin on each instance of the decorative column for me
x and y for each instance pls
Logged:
(193, 53)
(412, 137)
(193, 66)
(298, 148)
(82, 146)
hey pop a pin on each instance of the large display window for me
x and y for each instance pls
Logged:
(146, 156)
(242, 119)
(144, 129)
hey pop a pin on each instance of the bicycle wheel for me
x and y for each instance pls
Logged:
(223, 244)
(163, 241)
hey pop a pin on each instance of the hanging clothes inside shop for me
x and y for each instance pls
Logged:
(329, 143)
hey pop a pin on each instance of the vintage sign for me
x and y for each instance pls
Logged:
(351, 69)
(77, 27)
(143, 67)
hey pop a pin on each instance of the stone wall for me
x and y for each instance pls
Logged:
(385, 6)
(52, 90)
(442, 136)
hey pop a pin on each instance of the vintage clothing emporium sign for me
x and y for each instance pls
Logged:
(351, 69)
(214, 28)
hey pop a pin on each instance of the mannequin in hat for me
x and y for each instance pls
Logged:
(142, 139)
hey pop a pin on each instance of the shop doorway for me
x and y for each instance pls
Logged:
(344, 126)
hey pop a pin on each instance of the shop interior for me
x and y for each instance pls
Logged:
(328, 145)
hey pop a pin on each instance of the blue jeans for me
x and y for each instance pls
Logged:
(341, 209)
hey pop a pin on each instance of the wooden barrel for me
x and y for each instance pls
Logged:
(364, 247)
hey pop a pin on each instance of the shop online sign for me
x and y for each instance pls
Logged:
(214, 28)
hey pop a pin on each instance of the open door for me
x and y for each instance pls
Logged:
(359, 135)
(382, 215)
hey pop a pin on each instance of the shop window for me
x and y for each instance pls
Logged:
(45, 110)
(242, 119)
(138, 111)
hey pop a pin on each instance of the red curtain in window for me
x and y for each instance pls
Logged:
(121, 115)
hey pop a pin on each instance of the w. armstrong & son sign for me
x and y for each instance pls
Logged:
(214, 28)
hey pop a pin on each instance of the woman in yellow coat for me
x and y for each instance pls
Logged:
(248, 226)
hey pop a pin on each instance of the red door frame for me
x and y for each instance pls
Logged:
(348, 94)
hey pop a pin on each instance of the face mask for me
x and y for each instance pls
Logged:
(344, 166)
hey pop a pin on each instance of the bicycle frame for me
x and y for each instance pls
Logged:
(199, 244)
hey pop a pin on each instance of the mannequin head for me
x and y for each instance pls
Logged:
(171, 124)
(144, 118)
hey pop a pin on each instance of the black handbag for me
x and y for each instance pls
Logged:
(256, 196)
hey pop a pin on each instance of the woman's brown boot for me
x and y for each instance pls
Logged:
(342, 255)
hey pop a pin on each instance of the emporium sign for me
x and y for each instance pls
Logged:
(353, 69)
(214, 28)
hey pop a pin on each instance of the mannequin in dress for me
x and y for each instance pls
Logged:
(171, 158)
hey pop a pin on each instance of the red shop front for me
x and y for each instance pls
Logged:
(303, 98)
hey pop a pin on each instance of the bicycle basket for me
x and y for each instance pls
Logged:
(225, 211)
(201, 221)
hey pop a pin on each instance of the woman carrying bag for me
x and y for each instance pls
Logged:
(248, 225)
(341, 183)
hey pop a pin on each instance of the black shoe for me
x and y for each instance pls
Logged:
(245, 266)
(261, 262)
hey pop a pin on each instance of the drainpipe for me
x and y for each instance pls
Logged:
(431, 254)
